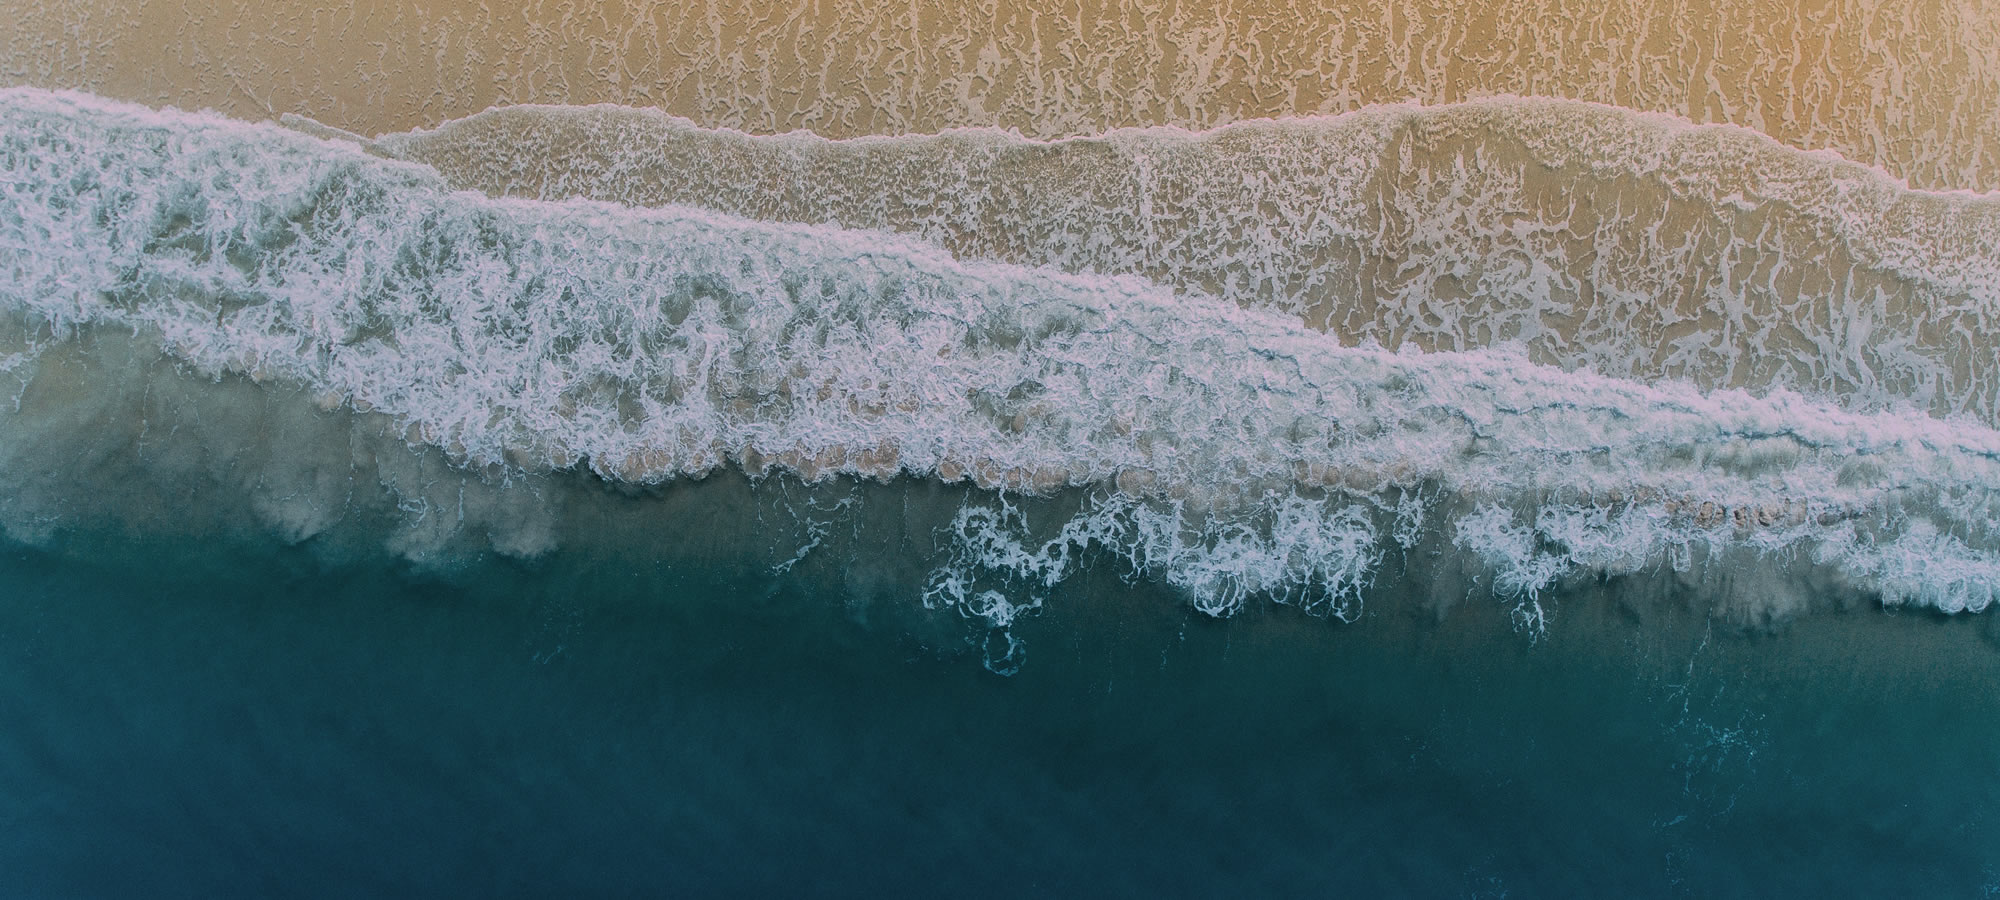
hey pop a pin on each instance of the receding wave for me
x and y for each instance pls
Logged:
(1234, 453)
(1909, 86)
(1630, 244)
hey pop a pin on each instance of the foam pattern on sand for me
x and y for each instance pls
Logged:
(1232, 452)
(1635, 245)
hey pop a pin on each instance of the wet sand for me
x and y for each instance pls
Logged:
(1909, 87)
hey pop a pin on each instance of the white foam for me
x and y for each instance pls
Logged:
(1910, 86)
(1232, 452)
(1632, 244)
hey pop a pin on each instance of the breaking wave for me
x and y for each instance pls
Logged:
(1631, 244)
(326, 338)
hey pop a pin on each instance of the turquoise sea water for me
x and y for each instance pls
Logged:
(370, 525)
(189, 721)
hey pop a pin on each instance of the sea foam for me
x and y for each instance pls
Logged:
(1632, 244)
(1232, 452)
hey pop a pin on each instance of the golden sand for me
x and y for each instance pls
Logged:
(1908, 85)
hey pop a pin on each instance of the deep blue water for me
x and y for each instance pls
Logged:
(201, 719)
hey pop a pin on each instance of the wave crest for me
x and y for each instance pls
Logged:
(1231, 452)
(1631, 244)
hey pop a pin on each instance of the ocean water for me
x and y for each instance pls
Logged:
(1564, 495)
(187, 722)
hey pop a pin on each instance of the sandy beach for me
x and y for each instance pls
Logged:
(1910, 87)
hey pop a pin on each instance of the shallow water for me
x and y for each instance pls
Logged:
(1907, 86)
